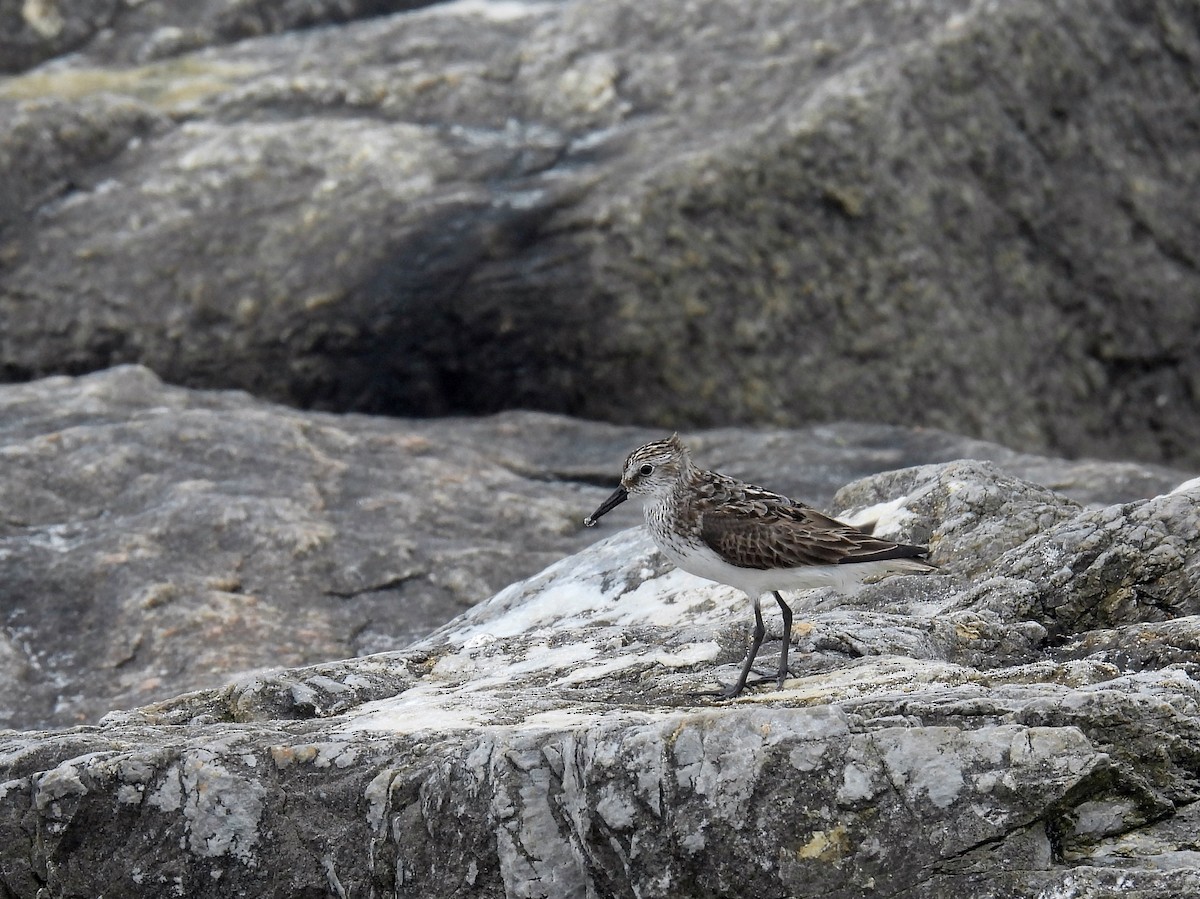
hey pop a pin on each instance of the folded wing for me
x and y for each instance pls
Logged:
(790, 535)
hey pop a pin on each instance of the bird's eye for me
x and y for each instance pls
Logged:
(646, 469)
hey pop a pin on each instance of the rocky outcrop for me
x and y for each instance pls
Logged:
(155, 539)
(934, 741)
(111, 31)
(962, 214)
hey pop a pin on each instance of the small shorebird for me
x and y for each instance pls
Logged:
(760, 542)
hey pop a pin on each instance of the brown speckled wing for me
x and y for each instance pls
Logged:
(770, 531)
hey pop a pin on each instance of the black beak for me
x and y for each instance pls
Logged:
(618, 496)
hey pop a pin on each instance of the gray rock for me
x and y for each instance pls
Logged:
(155, 540)
(550, 742)
(33, 32)
(107, 31)
(1115, 566)
(912, 214)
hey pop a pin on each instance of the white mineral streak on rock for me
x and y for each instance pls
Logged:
(221, 809)
(496, 10)
(886, 518)
(59, 783)
(498, 657)
(889, 518)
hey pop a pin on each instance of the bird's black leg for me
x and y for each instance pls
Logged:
(756, 640)
(787, 639)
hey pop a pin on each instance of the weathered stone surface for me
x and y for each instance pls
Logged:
(138, 31)
(741, 212)
(33, 32)
(1115, 566)
(155, 540)
(550, 741)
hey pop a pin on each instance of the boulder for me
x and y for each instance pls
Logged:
(748, 212)
(107, 31)
(556, 739)
(155, 539)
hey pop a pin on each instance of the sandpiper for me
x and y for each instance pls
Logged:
(757, 541)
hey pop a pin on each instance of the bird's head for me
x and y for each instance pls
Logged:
(651, 470)
(655, 469)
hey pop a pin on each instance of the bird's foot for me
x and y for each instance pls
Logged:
(732, 691)
(723, 693)
(781, 678)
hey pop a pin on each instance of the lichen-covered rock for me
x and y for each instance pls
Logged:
(1120, 565)
(981, 512)
(556, 741)
(910, 213)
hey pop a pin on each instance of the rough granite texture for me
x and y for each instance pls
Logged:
(139, 31)
(966, 214)
(155, 539)
(935, 740)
